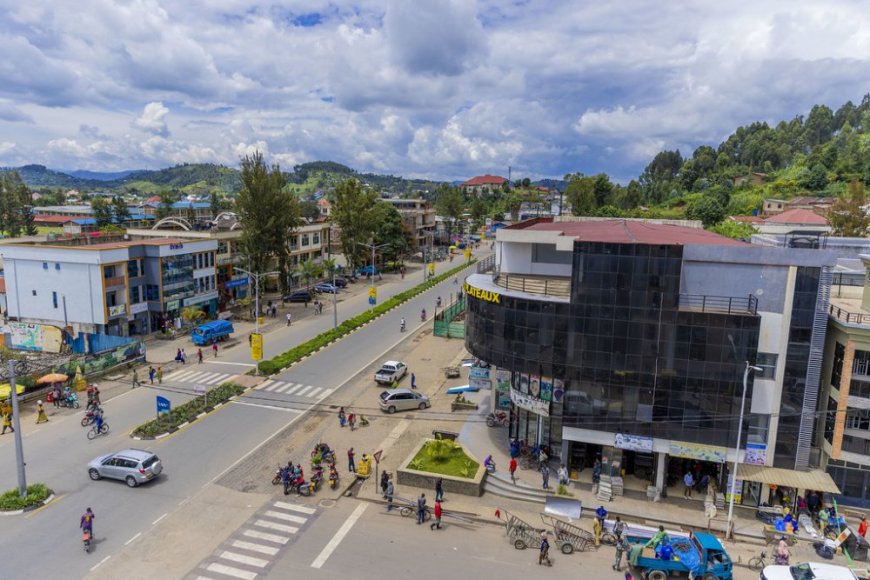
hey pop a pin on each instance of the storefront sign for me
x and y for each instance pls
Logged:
(137, 308)
(476, 372)
(696, 451)
(172, 305)
(546, 389)
(236, 283)
(558, 390)
(484, 384)
(755, 454)
(532, 404)
(176, 246)
(524, 383)
(535, 386)
(117, 310)
(633, 442)
(201, 298)
(502, 380)
(481, 294)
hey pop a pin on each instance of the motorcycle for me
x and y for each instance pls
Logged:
(86, 540)
(333, 478)
(71, 400)
(497, 419)
(327, 455)
(301, 488)
(276, 479)
(90, 415)
(489, 464)
(402, 326)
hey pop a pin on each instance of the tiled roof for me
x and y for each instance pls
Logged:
(798, 216)
(635, 232)
(485, 180)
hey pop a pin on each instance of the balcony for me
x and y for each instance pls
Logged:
(719, 304)
(849, 316)
(115, 281)
(545, 285)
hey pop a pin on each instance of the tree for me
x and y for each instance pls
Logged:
(707, 209)
(848, 217)
(192, 314)
(526, 182)
(217, 204)
(350, 213)
(734, 229)
(120, 211)
(390, 231)
(581, 194)
(164, 210)
(602, 189)
(309, 210)
(478, 209)
(308, 271)
(268, 216)
(512, 204)
(102, 212)
(450, 204)
(816, 178)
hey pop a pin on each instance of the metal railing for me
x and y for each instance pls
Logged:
(849, 316)
(560, 287)
(861, 367)
(486, 265)
(719, 304)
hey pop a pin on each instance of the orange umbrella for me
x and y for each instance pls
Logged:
(52, 378)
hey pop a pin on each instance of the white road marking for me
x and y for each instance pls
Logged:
(208, 377)
(326, 393)
(226, 362)
(294, 389)
(131, 540)
(219, 378)
(265, 384)
(315, 391)
(242, 559)
(269, 550)
(264, 536)
(276, 527)
(203, 578)
(177, 375)
(339, 536)
(296, 508)
(286, 517)
(191, 376)
(100, 563)
(283, 387)
(230, 571)
(154, 523)
(272, 407)
(305, 390)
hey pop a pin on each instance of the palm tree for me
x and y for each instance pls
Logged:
(308, 270)
(192, 315)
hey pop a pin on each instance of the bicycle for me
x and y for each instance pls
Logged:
(758, 562)
(412, 511)
(93, 433)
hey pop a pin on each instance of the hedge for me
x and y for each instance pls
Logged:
(188, 411)
(285, 359)
(36, 493)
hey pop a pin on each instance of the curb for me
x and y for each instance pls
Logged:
(31, 508)
(187, 423)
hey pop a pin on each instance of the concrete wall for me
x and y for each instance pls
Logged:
(465, 486)
(80, 283)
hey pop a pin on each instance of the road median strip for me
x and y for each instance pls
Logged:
(187, 413)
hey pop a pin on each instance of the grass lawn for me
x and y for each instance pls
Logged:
(450, 459)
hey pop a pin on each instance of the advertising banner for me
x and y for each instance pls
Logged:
(532, 404)
(535, 386)
(546, 389)
(756, 454)
(139, 307)
(633, 442)
(697, 451)
(503, 380)
(476, 372)
(35, 337)
(256, 346)
(480, 384)
(558, 390)
(117, 310)
(524, 383)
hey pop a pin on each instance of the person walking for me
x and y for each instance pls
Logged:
(421, 508)
(178, 356)
(545, 475)
(596, 531)
(513, 469)
(151, 373)
(618, 527)
(436, 525)
(385, 479)
(562, 474)
(214, 348)
(41, 417)
(439, 489)
(413, 381)
(285, 479)
(862, 527)
(621, 548)
(55, 396)
(183, 357)
(351, 421)
(136, 378)
(199, 356)
(7, 422)
(688, 484)
(159, 375)
(342, 418)
(289, 318)
(390, 491)
(351, 466)
(544, 555)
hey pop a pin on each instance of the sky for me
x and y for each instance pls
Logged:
(436, 89)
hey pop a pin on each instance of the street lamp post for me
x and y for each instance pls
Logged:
(334, 300)
(256, 278)
(373, 247)
(749, 368)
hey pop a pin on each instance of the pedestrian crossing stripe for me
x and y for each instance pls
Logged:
(271, 385)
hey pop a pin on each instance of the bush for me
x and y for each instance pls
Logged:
(188, 411)
(11, 500)
(285, 359)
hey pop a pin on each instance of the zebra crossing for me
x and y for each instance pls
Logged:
(270, 386)
(250, 551)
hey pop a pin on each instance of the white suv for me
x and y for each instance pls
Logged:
(808, 571)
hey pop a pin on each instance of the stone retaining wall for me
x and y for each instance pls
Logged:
(426, 480)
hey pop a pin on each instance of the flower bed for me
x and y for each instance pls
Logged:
(444, 457)
(188, 411)
(285, 359)
(36, 494)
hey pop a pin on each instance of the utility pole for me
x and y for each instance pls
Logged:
(256, 278)
(16, 423)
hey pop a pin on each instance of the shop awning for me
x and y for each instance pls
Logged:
(815, 479)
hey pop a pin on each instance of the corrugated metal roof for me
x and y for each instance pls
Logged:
(620, 231)
(815, 479)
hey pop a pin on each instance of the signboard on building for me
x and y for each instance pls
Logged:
(502, 389)
(546, 389)
(633, 442)
(524, 383)
(697, 451)
(480, 294)
(117, 310)
(558, 390)
(476, 372)
(480, 384)
(172, 305)
(755, 454)
(236, 283)
(201, 298)
(535, 386)
(532, 404)
(137, 308)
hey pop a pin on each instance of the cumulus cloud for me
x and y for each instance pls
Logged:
(153, 119)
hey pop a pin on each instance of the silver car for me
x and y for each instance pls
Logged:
(134, 466)
(393, 400)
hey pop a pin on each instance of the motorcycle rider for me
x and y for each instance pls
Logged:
(87, 522)
(423, 315)
(402, 326)
(285, 479)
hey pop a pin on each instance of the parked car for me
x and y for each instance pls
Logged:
(368, 271)
(326, 288)
(133, 466)
(299, 296)
(808, 571)
(393, 400)
(390, 370)
(340, 282)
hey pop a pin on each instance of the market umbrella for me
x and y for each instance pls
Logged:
(5, 389)
(52, 378)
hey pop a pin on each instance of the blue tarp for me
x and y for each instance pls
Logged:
(688, 555)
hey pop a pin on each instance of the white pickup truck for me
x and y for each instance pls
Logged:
(391, 370)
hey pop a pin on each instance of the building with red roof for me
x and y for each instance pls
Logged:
(483, 184)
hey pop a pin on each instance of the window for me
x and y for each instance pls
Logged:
(109, 272)
(316, 238)
(304, 240)
(54, 299)
(57, 266)
(135, 295)
(45, 265)
(767, 362)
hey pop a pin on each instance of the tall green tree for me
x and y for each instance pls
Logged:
(580, 193)
(164, 210)
(848, 217)
(512, 203)
(451, 206)
(102, 211)
(390, 232)
(268, 216)
(120, 211)
(350, 212)
(708, 209)
(308, 271)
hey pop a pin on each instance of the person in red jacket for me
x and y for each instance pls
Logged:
(437, 523)
(513, 469)
(862, 527)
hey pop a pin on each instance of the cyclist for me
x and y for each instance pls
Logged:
(98, 419)
(87, 521)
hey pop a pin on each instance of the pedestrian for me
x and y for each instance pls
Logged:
(351, 466)
(342, 418)
(421, 508)
(436, 525)
(621, 548)
(618, 527)
(199, 355)
(351, 421)
(688, 483)
(513, 469)
(159, 375)
(545, 475)
(390, 491)
(214, 348)
(178, 356)
(41, 417)
(135, 378)
(544, 555)
(95, 396)
(285, 479)
(7, 422)
(628, 575)
(151, 373)
(596, 531)
(289, 318)
(413, 381)
(596, 474)
(862, 527)
(395, 383)
(562, 474)
(439, 489)
(385, 479)
(55, 396)
(183, 357)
